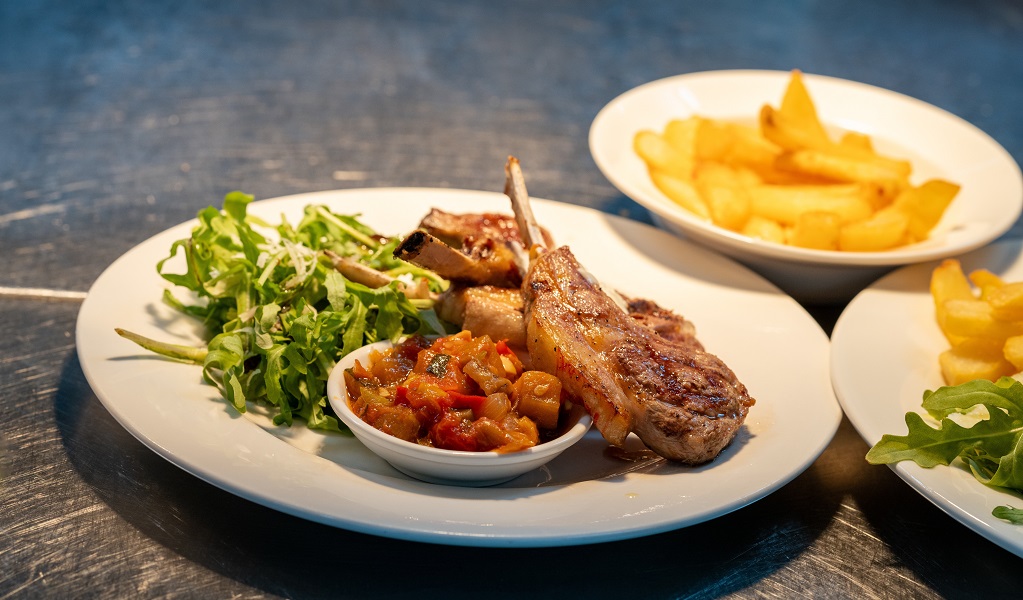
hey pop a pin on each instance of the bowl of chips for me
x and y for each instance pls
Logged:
(819, 184)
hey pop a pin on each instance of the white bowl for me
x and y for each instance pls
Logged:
(939, 145)
(436, 465)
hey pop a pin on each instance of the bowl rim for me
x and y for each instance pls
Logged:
(736, 242)
(337, 395)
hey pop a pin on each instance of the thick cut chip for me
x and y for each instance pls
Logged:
(784, 203)
(797, 106)
(660, 155)
(681, 192)
(817, 230)
(1006, 301)
(975, 318)
(926, 204)
(974, 359)
(884, 230)
(1013, 351)
(764, 229)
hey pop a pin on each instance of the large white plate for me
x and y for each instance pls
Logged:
(586, 495)
(937, 143)
(884, 355)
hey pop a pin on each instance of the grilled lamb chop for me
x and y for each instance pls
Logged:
(683, 402)
(459, 230)
(485, 262)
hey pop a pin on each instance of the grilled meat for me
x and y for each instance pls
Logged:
(461, 230)
(684, 403)
(485, 262)
(485, 310)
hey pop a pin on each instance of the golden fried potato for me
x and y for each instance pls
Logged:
(816, 163)
(798, 107)
(817, 230)
(725, 192)
(926, 204)
(974, 359)
(764, 229)
(948, 282)
(681, 134)
(784, 203)
(860, 141)
(681, 192)
(1006, 300)
(976, 319)
(884, 230)
(723, 141)
(658, 154)
(1013, 351)
(987, 282)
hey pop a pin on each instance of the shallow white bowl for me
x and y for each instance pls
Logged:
(436, 465)
(939, 145)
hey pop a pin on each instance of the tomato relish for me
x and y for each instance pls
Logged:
(458, 393)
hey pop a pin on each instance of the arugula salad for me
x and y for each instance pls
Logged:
(988, 438)
(278, 315)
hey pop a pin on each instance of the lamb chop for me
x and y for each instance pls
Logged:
(485, 262)
(683, 402)
(459, 230)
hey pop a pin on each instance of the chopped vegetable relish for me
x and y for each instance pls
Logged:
(458, 393)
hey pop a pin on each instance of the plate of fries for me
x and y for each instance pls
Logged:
(921, 327)
(820, 184)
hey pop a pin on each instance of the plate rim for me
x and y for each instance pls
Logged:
(437, 534)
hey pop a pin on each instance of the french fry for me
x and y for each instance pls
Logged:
(787, 132)
(724, 190)
(987, 282)
(798, 107)
(681, 135)
(681, 192)
(975, 319)
(948, 282)
(885, 229)
(974, 359)
(1013, 351)
(843, 168)
(926, 204)
(764, 229)
(860, 141)
(662, 156)
(735, 144)
(785, 203)
(1006, 301)
(816, 229)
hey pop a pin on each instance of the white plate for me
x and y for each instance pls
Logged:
(585, 495)
(939, 145)
(884, 355)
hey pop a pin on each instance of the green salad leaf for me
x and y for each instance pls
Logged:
(278, 314)
(992, 446)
